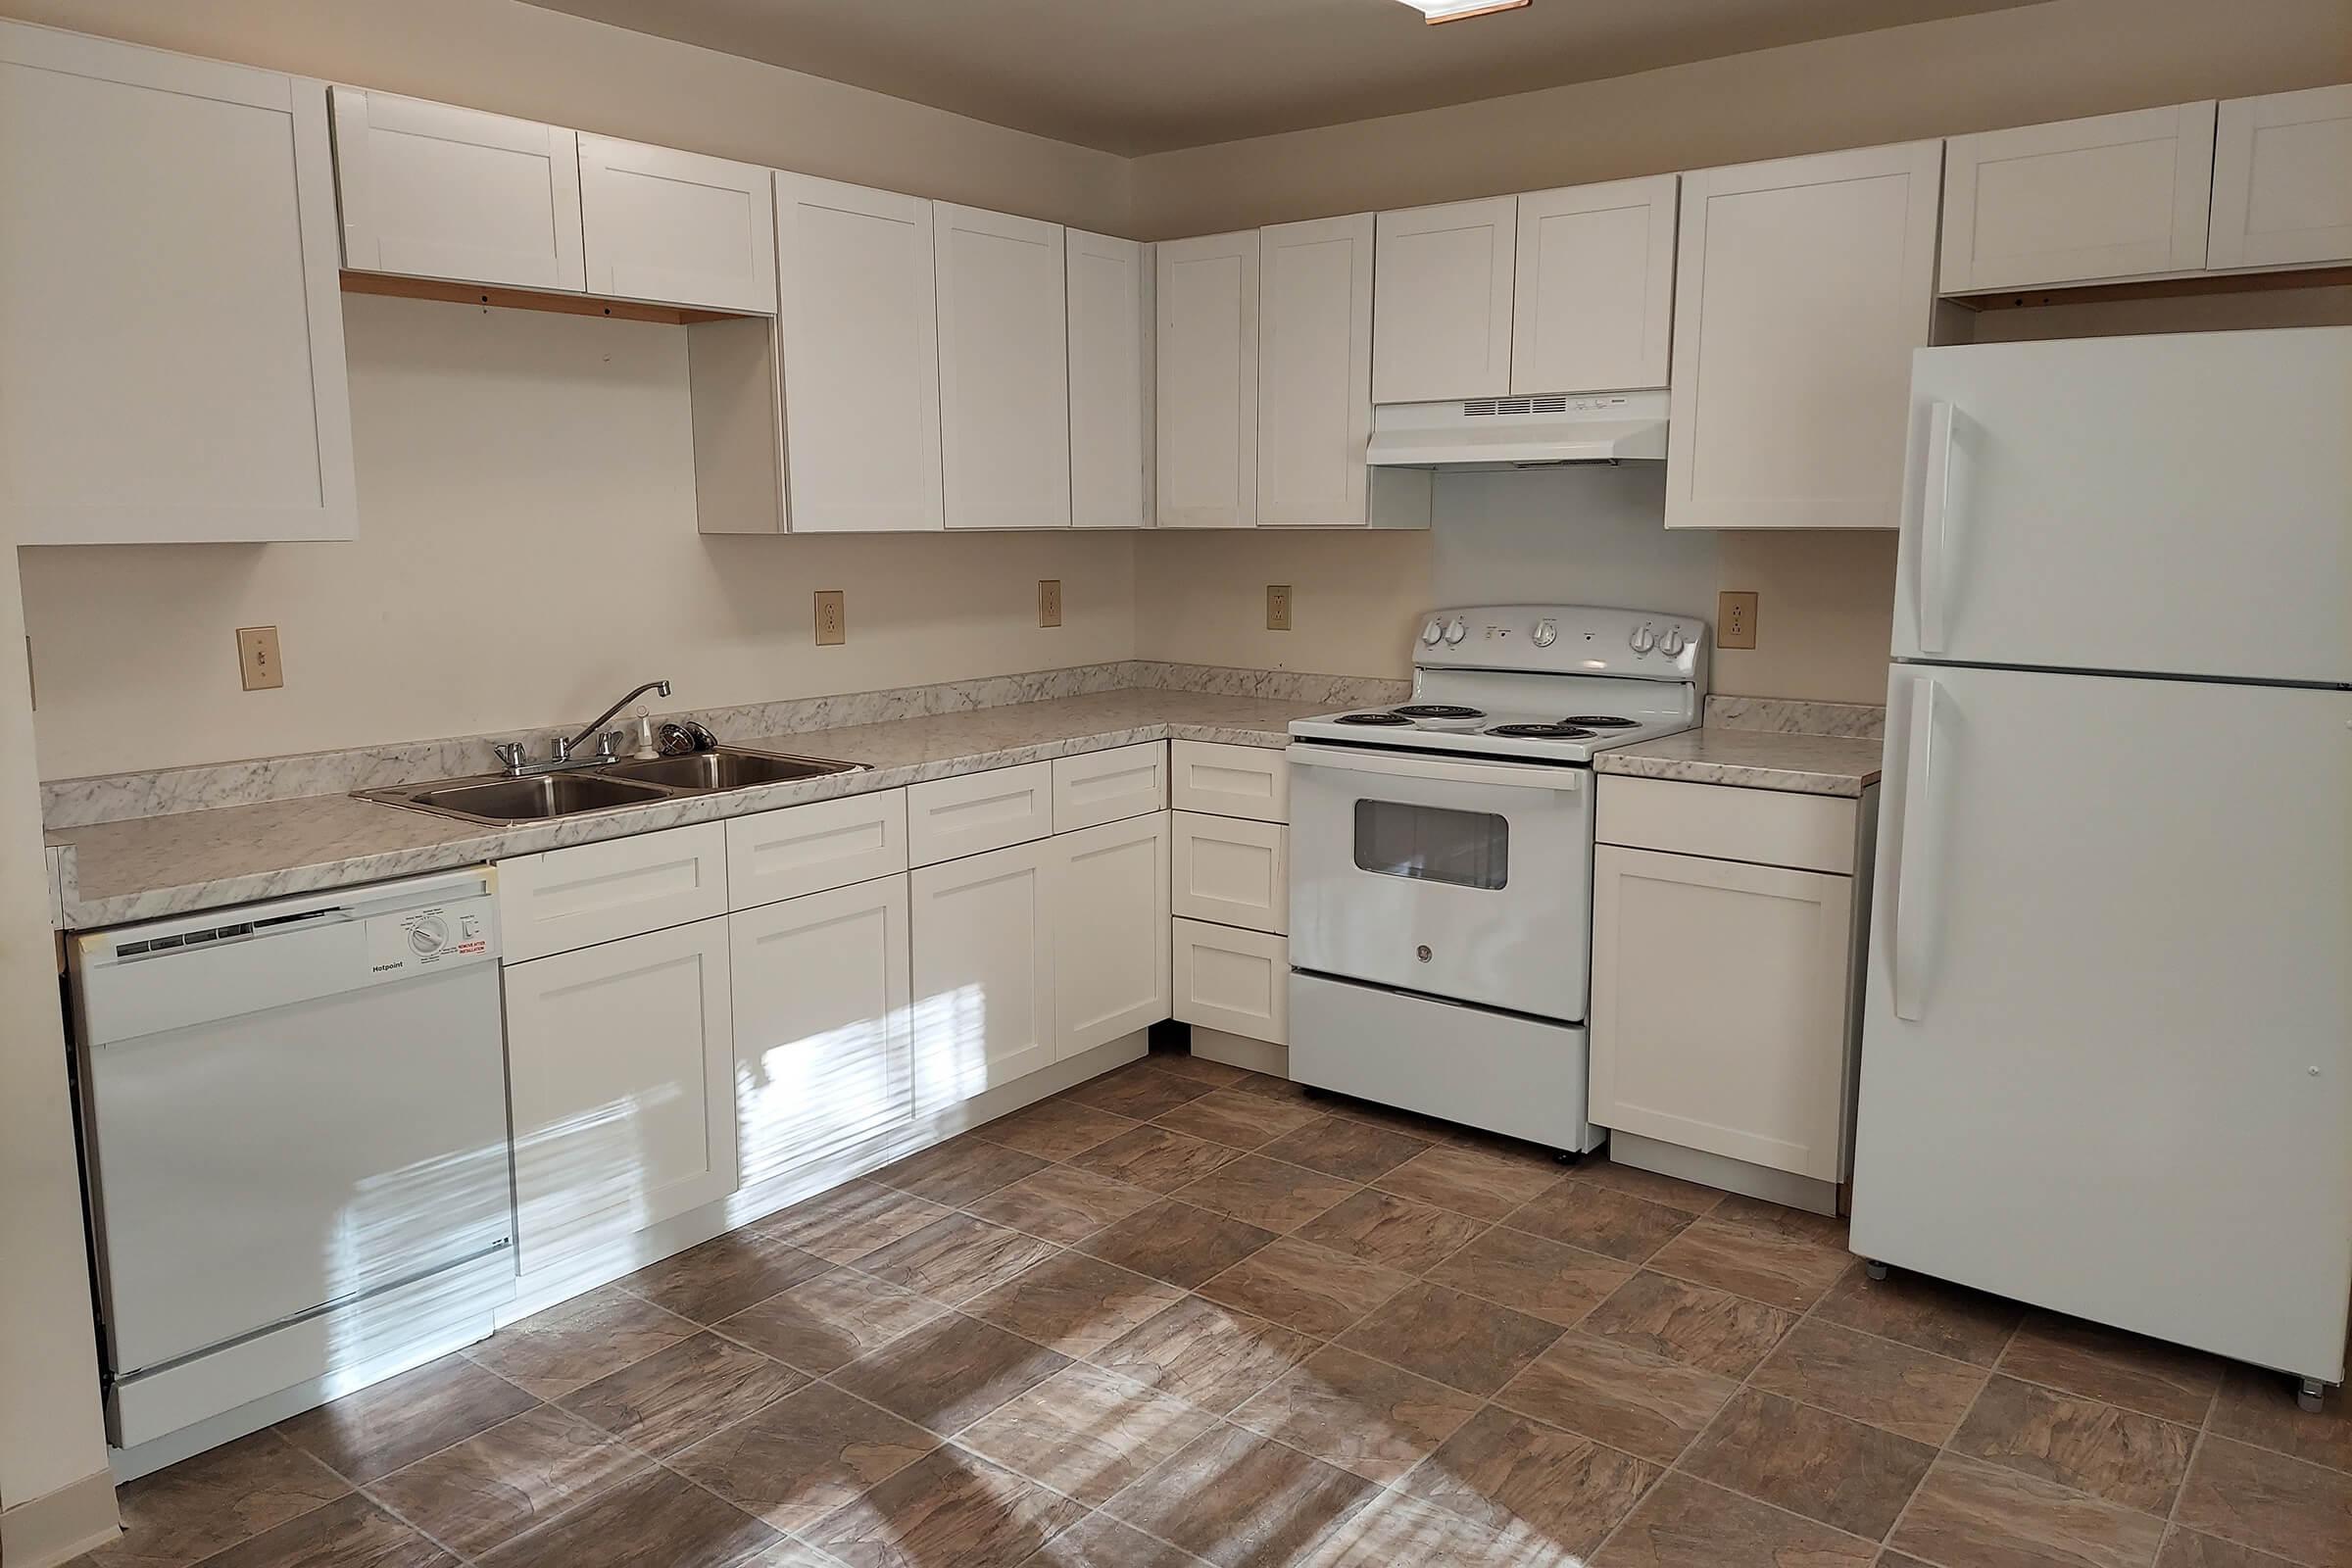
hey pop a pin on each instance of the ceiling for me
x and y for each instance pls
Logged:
(1134, 76)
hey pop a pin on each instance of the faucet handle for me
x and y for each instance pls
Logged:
(510, 756)
(563, 749)
(607, 745)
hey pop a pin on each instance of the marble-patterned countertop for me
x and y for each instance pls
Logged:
(1761, 759)
(148, 867)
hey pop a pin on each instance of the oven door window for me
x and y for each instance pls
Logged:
(1431, 844)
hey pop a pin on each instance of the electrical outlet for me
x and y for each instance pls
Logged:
(832, 619)
(258, 663)
(1735, 620)
(1049, 601)
(1278, 607)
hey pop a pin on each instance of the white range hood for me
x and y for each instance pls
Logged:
(1520, 432)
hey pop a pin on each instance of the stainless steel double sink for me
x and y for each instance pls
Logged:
(496, 799)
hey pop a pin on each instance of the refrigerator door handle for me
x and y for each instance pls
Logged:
(1914, 877)
(1934, 508)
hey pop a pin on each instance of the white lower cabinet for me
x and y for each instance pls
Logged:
(1233, 870)
(1111, 931)
(981, 929)
(823, 1042)
(1723, 1013)
(621, 1066)
(1235, 980)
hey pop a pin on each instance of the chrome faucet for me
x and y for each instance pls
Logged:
(512, 755)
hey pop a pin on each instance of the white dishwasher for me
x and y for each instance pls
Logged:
(295, 1138)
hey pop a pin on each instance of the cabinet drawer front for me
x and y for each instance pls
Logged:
(974, 811)
(574, 898)
(1251, 781)
(1106, 786)
(1237, 981)
(808, 848)
(1721, 1007)
(1233, 870)
(623, 1067)
(1769, 827)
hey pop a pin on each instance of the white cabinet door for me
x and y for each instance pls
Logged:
(1592, 304)
(982, 933)
(171, 327)
(823, 1044)
(2282, 180)
(1231, 870)
(679, 228)
(1111, 931)
(1801, 286)
(1314, 372)
(1441, 307)
(1004, 370)
(2111, 196)
(1207, 365)
(434, 191)
(858, 323)
(1745, 1051)
(1112, 284)
(620, 1063)
(1234, 980)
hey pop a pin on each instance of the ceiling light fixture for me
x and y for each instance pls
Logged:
(1436, 11)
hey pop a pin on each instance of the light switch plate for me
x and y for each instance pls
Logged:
(832, 619)
(1049, 601)
(1735, 620)
(257, 662)
(1278, 607)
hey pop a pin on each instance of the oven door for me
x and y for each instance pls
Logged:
(1466, 879)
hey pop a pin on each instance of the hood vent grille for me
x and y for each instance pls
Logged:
(1487, 408)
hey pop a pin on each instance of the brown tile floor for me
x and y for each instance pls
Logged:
(1184, 1314)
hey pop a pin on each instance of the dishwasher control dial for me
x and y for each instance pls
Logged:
(1457, 632)
(1643, 639)
(428, 935)
(1546, 633)
(1432, 633)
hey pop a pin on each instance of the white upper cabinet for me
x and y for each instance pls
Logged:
(1315, 372)
(678, 228)
(2111, 196)
(858, 323)
(1110, 288)
(2282, 180)
(1004, 370)
(1442, 304)
(1208, 403)
(1593, 306)
(1801, 288)
(170, 327)
(432, 191)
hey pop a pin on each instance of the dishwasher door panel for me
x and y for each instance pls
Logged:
(255, 1168)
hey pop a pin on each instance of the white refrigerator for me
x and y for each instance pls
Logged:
(2107, 1051)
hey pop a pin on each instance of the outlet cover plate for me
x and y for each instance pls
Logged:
(258, 663)
(1278, 607)
(1735, 620)
(1049, 601)
(832, 619)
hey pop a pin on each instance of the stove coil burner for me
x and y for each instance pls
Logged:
(1372, 718)
(1601, 721)
(1413, 711)
(1541, 732)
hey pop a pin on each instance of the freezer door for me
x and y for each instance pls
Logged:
(2106, 1065)
(2177, 503)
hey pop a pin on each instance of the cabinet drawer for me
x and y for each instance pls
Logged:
(808, 848)
(1232, 870)
(1251, 781)
(1234, 980)
(1106, 786)
(1769, 827)
(566, 898)
(974, 811)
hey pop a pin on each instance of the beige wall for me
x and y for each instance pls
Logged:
(1827, 599)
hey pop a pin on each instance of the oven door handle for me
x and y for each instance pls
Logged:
(1445, 770)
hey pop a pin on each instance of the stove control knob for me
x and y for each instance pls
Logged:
(1643, 639)
(1431, 633)
(1546, 633)
(1673, 643)
(1457, 632)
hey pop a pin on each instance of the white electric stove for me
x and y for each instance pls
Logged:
(1442, 861)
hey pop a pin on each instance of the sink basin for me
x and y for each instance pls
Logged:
(526, 799)
(728, 768)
